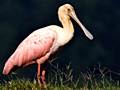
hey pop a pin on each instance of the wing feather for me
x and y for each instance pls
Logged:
(34, 46)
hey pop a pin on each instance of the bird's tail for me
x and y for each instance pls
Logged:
(8, 66)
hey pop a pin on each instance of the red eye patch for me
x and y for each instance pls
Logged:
(68, 9)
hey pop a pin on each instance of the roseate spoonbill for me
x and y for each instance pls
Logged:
(43, 44)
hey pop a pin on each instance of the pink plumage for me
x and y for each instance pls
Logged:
(37, 45)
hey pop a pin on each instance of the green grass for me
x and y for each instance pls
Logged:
(63, 80)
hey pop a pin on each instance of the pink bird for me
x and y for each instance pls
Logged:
(43, 44)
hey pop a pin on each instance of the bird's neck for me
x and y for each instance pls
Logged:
(67, 25)
(67, 31)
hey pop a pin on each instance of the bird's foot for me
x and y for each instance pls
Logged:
(39, 81)
(43, 81)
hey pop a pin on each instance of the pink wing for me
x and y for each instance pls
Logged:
(33, 47)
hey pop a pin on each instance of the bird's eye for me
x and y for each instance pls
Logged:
(68, 9)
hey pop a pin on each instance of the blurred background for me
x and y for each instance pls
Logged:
(102, 18)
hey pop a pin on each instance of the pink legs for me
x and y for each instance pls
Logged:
(42, 78)
(38, 75)
(43, 74)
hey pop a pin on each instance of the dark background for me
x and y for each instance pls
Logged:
(102, 18)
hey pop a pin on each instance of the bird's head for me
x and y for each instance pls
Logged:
(67, 11)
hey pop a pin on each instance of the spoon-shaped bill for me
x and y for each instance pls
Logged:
(87, 33)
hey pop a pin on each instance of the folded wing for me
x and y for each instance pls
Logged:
(33, 47)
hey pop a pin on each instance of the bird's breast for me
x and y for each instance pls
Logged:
(54, 47)
(63, 36)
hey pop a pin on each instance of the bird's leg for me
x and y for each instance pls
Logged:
(38, 75)
(43, 73)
